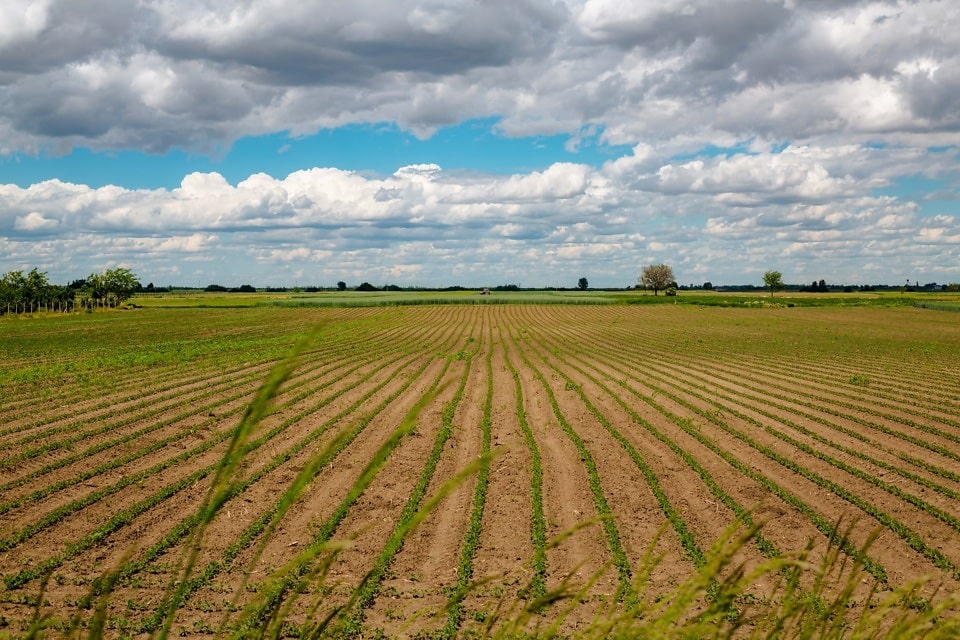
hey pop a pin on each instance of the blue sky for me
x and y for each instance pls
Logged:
(380, 148)
(439, 142)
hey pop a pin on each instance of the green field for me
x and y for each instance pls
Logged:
(943, 301)
(442, 470)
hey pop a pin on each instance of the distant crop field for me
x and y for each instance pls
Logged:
(436, 470)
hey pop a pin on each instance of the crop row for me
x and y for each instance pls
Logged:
(658, 419)
(471, 539)
(215, 357)
(121, 460)
(273, 592)
(126, 516)
(26, 532)
(669, 381)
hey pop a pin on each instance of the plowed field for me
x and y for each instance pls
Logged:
(658, 426)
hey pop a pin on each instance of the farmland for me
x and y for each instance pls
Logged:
(149, 479)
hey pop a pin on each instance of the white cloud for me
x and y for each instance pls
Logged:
(725, 219)
(22, 20)
(152, 75)
(758, 129)
(34, 221)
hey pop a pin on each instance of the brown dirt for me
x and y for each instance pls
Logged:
(643, 357)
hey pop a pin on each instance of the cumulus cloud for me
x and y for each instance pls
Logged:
(164, 73)
(34, 221)
(760, 129)
(809, 209)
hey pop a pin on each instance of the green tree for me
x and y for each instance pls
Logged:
(95, 289)
(773, 280)
(11, 290)
(62, 298)
(341, 286)
(112, 287)
(36, 288)
(657, 277)
(582, 284)
(121, 284)
(31, 292)
(19, 292)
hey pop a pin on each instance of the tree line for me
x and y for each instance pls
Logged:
(28, 292)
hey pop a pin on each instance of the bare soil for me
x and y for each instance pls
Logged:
(654, 380)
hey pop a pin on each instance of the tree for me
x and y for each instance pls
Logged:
(36, 288)
(341, 286)
(12, 289)
(113, 287)
(32, 291)
(773, 280)
(657, 277)
(582, 284)
(121, 283)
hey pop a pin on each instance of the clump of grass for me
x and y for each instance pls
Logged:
(859, 379)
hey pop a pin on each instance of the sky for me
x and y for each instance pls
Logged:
(481, 142)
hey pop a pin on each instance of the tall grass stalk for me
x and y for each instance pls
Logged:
(225, 475)
(809, 600)
(289, 579)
